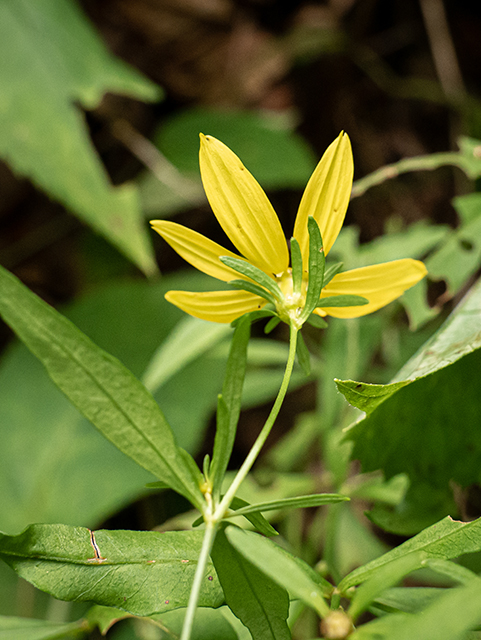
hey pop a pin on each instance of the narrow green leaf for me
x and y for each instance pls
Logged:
(303, 355)
(317, 263)
(280, 566)
(98, 385)
(230, 404)
(408, 599)
(446, 539)
(142, 572)
(342, 301)
(12, 628)
(256, 518)
(299, 502)
(254, 273)
(455, 572)
(252, 287)
(260, 603)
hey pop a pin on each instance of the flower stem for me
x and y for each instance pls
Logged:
(207, 542)
(266, 429)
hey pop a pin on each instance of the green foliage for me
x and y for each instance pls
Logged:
(431, 411)
(98, 385)
(142, 572)
(43, 134)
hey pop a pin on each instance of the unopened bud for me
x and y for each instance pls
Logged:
(336, 626)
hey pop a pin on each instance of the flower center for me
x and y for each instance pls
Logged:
(290, 308)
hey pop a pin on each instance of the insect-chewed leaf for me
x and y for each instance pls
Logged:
(142, 572)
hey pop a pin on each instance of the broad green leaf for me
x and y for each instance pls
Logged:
(51, 60)
(105, 617)
(449, 617)
(431, 407)
(446, 540)
(279, 565)
(298, 502)
(259, 602)
(190, 339)
(50, 451)
(142, 572)
(229, 405)
(12, 628)
(98, 385)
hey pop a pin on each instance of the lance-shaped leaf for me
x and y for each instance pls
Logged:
(142, 572)
(98, 385)
(446, 539)
(298, 502)
(43, 134)
(259, 602)
(230, 403)
(279, 565)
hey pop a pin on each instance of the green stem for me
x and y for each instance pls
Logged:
(207, 542)
(263, 435)
(417, 163)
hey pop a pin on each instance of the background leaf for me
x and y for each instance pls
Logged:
(144, 572)
(43, 134)
(432, 410)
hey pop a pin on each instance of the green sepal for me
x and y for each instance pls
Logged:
(303, 356)
(258, 314)
(296, 261)
(331, 271)
(254, 273)
(316, 321)
(252, 287)
(317, 262)
(272, 324)
(342, 301)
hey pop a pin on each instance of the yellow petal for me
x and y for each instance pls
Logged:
(199, 251)
(326, 196)
(216, 306)
(242, 208)
(379, 283)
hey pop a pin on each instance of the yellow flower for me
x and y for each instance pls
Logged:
(246, 215)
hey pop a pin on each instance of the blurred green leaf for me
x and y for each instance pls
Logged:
(259, 602)
(142, 572)
(12, 628)
(448, 617)
(105, 391)
(459, 256)
(276, 156)
(51, 59)
(432, 408)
